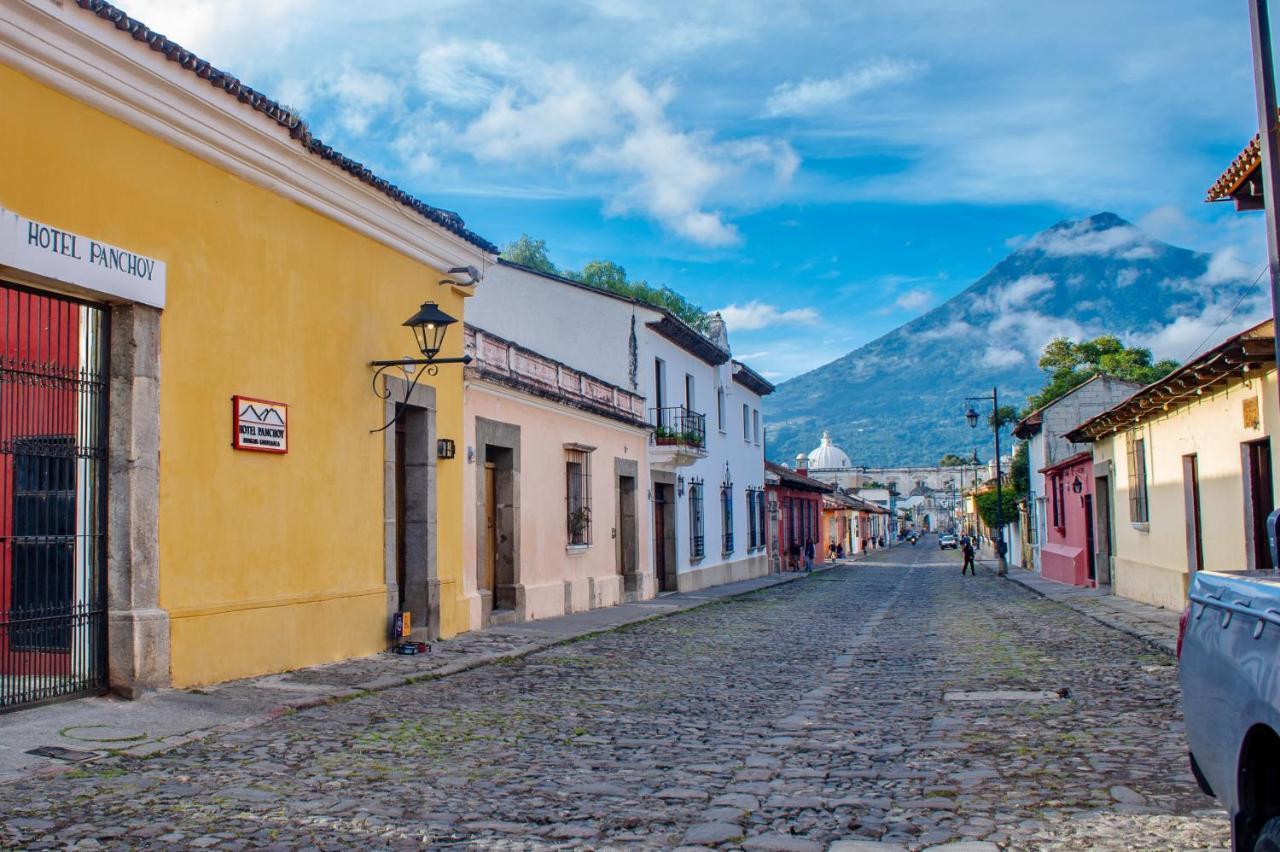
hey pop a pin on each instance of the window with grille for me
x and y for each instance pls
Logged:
(697, 535)
(1135, 449)
(755, 518)
(577, 470)
(1060, 502)
(726, 515)
(746, 422)
(755, 424)
(720, 408)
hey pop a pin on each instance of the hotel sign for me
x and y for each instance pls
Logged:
(259, 425)
(82, 261)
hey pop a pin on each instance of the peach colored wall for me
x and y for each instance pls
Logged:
(547, 564)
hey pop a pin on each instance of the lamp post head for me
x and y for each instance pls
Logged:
(429, 325)
(972, 417)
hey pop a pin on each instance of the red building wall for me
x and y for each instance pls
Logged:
(799, 520)
(1066, 553)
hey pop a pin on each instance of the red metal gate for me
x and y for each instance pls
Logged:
(53, 404)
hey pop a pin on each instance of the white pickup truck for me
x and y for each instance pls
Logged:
(1229, 668)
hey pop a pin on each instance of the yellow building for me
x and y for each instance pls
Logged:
(1184, 473)
(177, 240)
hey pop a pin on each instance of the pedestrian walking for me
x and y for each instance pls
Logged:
(809, 553)
(793, 556)
(968, 560)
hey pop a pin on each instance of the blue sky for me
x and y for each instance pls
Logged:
(821, 171)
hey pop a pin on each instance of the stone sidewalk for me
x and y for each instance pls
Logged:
(169, 718)
(1153, 625)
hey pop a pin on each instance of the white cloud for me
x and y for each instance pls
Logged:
(1228, 311)
(810, 96)
(1081, 238)
(913, 300)
(361, 96)
(756, 315)
(999, 357)
(1225, 267)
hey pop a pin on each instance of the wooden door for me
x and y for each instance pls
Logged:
(1259, 501)
(1191, 504)
(1090, 544)
(490, 528)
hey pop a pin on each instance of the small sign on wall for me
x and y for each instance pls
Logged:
(1249, 407)
(259, 425)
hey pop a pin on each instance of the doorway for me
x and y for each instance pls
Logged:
(1102, 524)
(664, 537)
(628, 548)
(1259, 500)
(497, 581)
(1191, 504)
(1090, 544)
(53, 450)
(410, 511)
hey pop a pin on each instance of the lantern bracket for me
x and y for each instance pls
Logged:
(428, 366)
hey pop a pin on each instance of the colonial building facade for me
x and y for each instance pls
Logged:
(1183, 474)
(705, 500)
(280, 527)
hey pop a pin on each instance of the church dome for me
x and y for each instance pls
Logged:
(828, 456)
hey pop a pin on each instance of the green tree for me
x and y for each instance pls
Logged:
(987, 507)
(1070, 365)
(952, 460)
(529, 252)
(1020, 470)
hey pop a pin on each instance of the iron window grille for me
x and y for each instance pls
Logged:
(761, 521)
(697, 547)
(1135, 449)
(755, 518)
(726, 516)
(577, 469)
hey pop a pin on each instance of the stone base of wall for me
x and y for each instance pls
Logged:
(1150, 584)
(755, 565)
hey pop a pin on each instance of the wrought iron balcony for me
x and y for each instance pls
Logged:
(678, 426)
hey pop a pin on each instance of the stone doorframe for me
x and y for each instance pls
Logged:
(422, 581)
(494, 433)
(137, 628)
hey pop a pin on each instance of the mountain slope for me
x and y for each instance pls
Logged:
(900, 398)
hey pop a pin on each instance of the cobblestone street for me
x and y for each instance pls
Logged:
(806, 716)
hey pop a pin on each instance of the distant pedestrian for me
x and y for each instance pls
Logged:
(809, 554)
(793, 556)
(839, 551)
(831, 550)
(968, 560)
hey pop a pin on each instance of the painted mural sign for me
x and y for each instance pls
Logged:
(259, 425)
(81, 261)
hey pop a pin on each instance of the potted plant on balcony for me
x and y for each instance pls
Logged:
(691, 438)
(663, 436)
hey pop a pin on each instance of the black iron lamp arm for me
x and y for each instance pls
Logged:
(430, 367)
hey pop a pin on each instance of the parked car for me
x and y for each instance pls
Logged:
(948, 540)
(1229, 668)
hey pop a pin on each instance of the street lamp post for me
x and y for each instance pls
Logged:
(1002, 567)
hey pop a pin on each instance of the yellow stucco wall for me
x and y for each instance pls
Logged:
(266, 562)
(547, 565)
(1150, 563)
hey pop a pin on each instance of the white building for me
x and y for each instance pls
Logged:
(706, 453)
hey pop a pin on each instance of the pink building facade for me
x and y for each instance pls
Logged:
(1067, 554)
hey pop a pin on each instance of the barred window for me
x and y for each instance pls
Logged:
(697, 547)
(726, 515)
(753, 518)
(577, 469)
(1136, 450)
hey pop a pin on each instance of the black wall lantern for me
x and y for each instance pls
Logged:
(1077, 486)
(429, 326)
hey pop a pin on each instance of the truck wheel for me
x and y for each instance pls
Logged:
(1269, 838)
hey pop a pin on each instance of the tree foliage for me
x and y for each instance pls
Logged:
(1020, 470)
(1070, 365)
(987, 507)
(952, 460)
(610, 277)
(529, 252)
